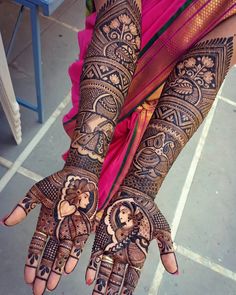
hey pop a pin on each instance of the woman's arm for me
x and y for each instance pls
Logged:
(132, 220)
(66, 217)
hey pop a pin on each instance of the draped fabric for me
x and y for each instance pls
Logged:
(169, 29)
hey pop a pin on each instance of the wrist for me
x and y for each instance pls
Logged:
(80, 172)
(145, 184)
(84, 162)
(132, 191)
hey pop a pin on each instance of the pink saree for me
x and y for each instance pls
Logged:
(169, 28)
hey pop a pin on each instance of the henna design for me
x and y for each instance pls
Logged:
(69, 205)
(68, 198)
(103, 277)
(125, 231)
(107, 73)
(185, 101)
(62, 256)
(132, 219)
(28, 203)
(130, 282)
(48, 258)
(35, 249)
(116, 278)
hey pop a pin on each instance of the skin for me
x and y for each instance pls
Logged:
(124, 217)
(79, 155)
(61, 233)
(206, 64)
(84, 200)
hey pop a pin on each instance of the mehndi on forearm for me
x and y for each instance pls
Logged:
(132, 219)
(107, 73)
(187, 97)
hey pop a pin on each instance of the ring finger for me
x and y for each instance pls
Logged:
(75, 253)
(61, 258)
(131, 280)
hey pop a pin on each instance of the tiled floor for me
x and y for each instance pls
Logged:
(198, 196)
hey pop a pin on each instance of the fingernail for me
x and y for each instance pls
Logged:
(89, 281)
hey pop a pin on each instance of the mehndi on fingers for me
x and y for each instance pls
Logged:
(22, 209)
(69, 205)
(69, 197)
(129, 224)
(132, 219)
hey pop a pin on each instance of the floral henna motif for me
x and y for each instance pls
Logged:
(69, 198)
(107, 73)
(132, 219)
(184, 103)
(128, 225)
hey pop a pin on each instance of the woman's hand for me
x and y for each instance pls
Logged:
(120, 248)
(68, 201)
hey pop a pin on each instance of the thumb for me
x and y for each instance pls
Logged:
(162, 234)
(22, 209)
(167, 253)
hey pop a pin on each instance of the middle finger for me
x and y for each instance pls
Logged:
(75, 253)
(61, 258)
(45, 267)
